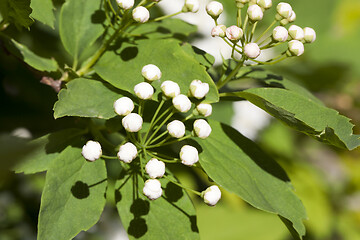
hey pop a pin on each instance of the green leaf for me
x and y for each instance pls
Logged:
(86, 98)
(305, 115)
(240, 166)
(168, 28)
(201, 56)
(73, 197)
(17, 12)
(26, 55)
(170, 217)
(269, 79)
(122, 67)
(43, 11)
(46, 149)
(78, 26)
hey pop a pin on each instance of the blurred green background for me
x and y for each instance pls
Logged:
(326, 179)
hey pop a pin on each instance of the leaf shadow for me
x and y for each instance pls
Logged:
(138, 226)
(172, 192)
(192, 218)
(81, 190)
(255, 153)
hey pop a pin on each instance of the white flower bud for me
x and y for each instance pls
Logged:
(132, 122)
(176, 129)
(125, 4)
(189, 155)
(198, 89)
(152, 189)
(214, 9)
(123, 106)
(151, 72)
(296, 48)
(191, 6)
(280, 34)
(255, 13)
(234, 33)
(141, 14)
(127, 152)
(252, 50)
(170, 89)
(155, 168)
(292, 17)
(309, 35)
(201, 128)
(211, 195)
(218, 31)
(144, 90)
(91, 151)
(296, 32)
(182, 103)
(204, 109)
(284, 10)
(265, 4)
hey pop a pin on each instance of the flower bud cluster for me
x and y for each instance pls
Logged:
(241, 35)
(136, 147)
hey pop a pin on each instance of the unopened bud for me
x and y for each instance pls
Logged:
(280, 34)
(265, 4)
(176, 129)
(132, 122)
(284, 10)
(152, 189)
(201, 128)
(181, 103)
(234, 33)
(151, 72)
(141, 14)
(296, 32)
(155, 168)
(255, 13)
(91, 151)
(214, 9)
(127, 152)
(170, 89)
(191, 6)
(199, 89)
(211, 195)
(125, 4)
(309, 35)
(204, 109)
(123, 106)
(144, 90)
(218, 31)
(296, 48)
(252, 50)
(189, 155)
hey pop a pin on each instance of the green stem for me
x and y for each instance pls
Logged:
(269, 63)
(220, 84)
(253, 31)
(158, 137)
(180, 185)
(239, 20)
(261, 35)
(245, 25)
(166, 16)
(188, 117)
(153, 119)
(159, 127)
(108, 157)
(270, 45)
(141, 164)
(111, 7)
(168, 143)
(163, 159)
(231, 45)
(101, 51)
